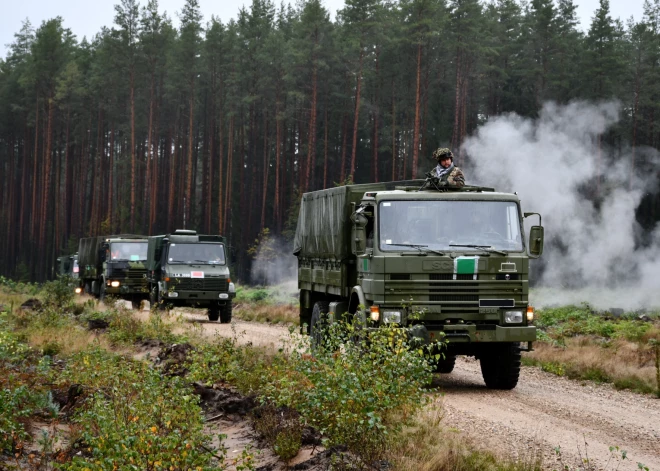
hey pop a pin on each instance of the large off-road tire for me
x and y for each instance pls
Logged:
(500, 365)
(319, 324)
(225, 313)
(446, 364)
(160, 301)
(213, 312)
(102, 291)
(153, 296)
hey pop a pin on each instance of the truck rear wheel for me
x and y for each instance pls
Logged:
(318, 323)
(446, 364)
(214, 312)
(500, 365)
(225, 313)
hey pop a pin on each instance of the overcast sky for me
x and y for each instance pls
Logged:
(86, 17)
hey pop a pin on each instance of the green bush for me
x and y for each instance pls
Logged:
(59, 293)
(135, 418)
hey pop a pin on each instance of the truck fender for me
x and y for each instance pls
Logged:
(357, 298)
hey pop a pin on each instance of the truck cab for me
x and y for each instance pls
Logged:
(190, 269)
(448, 264)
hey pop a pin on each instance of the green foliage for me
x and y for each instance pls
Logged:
(357, 389)
(59, 293)
(570, 321)
(19, 287)
(135, 418)
(244, 294)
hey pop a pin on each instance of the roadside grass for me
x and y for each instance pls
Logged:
(576, 342)
(427, 445)
(273, 305)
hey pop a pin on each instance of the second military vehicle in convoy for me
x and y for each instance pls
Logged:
(114, 265)
(190, 269)
(67, 265)
(443, 263)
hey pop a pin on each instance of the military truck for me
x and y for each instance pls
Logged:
(67, 265)
(442, 263)
(190, 269)
(114, 265)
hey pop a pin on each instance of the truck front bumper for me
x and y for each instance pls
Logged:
(127, 289)
(193, 296)
(473, 334)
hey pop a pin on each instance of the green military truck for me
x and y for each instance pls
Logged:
(190, 269)
(114, 265)
(67, 265)
(443, 263)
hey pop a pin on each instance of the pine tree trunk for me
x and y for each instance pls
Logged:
(311, 138)
(455, 141)
(358, 89)
(189, 169)
(266, 172)
(415, 150)
(33, 214)
(133, 163)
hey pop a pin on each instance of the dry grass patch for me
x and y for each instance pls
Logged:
(64, 340)
(268, 313)
(626, 364)
(429, 446)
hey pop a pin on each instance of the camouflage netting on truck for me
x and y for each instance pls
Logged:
(321, 224)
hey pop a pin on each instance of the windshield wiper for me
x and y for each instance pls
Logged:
(421, 248)
(487, 248)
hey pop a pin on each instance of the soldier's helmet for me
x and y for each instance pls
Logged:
(442, 153)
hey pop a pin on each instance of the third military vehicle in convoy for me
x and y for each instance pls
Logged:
(190, 269)
(114, 265)
(443, 263)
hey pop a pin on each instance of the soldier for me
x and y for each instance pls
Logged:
(446, 171)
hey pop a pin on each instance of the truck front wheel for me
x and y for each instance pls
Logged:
(500, 365)
(214, 312)
(225, 313)
(446, 364)
(102, 291)
(319, 323)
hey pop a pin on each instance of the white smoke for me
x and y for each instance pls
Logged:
(274, 263)
(586, 196)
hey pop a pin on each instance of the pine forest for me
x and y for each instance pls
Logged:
(148, 127)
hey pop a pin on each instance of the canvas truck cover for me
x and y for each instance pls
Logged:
(88, 248)
(154, 251)
(324, 225)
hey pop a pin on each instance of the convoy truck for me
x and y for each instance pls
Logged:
(114, 265)
(448, 264)
(190, 269)
(67, 265)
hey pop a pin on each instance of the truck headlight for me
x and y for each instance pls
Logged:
(232, 288)
(513, 317)
(114, 284)
(78, 290)
(530, 313)
(224, 295)
(392, 317)
(173, 294)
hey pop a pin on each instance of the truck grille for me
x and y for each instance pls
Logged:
(454, 296)
(201, 284)
(133, 276)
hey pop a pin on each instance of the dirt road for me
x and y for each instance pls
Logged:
(543, 412)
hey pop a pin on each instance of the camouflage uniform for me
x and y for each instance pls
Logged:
(454, 177)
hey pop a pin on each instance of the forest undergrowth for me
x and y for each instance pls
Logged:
(75, 393)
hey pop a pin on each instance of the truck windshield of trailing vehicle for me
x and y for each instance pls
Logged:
(445, 226)
(128, 251)
(197, 253)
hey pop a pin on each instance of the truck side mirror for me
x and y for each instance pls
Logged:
(102, 254)
(535, 241)
(359, 233)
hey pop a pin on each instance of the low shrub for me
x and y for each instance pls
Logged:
(135, 418)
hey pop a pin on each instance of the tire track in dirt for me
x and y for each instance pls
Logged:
(545, 411)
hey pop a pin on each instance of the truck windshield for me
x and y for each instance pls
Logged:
(131, 251)
(449, 225)
(210, 254)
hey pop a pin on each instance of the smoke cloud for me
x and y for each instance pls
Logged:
(587, 194)
(274, 263)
